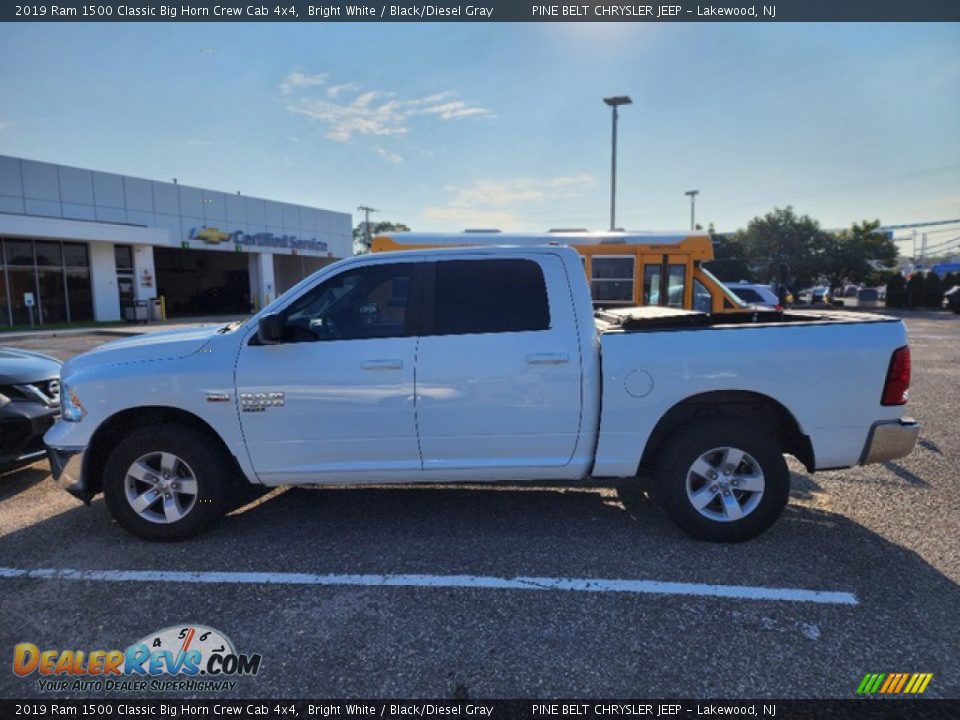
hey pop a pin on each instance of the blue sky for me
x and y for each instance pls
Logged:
(447, 126)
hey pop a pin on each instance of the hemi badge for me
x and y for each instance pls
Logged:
(218, 397)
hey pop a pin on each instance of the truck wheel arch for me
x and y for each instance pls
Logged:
(735, 403)
(121, 423)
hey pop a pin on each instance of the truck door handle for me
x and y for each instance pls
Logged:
(548, 358)
(387, 364)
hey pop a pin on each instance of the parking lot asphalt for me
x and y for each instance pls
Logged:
(885, 534)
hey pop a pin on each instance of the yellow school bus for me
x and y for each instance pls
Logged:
(624, 268)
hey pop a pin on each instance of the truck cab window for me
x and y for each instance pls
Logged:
(368, 302)
(489, 296)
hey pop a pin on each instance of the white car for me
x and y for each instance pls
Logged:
(478, 364)
(757, 296)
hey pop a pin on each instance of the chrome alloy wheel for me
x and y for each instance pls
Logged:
(160, 487)
(725, 484)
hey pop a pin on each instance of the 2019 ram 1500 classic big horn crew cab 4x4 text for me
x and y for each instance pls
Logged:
(478, 364)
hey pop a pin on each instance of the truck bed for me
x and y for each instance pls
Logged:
(826, 368)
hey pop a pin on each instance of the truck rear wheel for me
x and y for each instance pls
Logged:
(722, 480)
(166, 482)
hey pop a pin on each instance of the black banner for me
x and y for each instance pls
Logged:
(488, 11)
(870, 709)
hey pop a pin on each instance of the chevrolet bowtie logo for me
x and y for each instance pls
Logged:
(211, 235)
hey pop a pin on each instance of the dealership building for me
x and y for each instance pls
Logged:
(81, 245)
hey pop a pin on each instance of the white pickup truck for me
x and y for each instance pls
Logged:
(479, 364)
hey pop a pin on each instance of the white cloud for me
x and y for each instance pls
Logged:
(456, 110)
(516, 191)
(346, 111)
(463, 218)
(296, 80)
(4, 124)
(388, 156)
(504, 203)
(335, 90)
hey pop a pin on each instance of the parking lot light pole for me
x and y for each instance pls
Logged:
(693, 207)
(614, 102)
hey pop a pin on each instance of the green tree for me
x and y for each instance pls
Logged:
(860, 253)
(897, 291)
(781, 237)
(876, 278)
(359, 234)
(933, 290)
(730, 262)
(915, 290)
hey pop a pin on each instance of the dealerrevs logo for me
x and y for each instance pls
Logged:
(181, 657)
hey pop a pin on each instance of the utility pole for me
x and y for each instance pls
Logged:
(366, 223)
(614, 103)
(692, 194)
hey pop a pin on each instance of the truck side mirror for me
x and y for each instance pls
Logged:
(270, 329)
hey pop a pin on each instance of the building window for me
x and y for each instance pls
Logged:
(123, 254)
(57, 274)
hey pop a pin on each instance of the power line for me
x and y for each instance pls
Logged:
(929, 223)
(942, 244)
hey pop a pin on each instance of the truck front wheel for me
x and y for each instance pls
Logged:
(723, 480)
(165, 482)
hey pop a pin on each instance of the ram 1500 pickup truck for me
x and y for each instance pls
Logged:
(479, 364)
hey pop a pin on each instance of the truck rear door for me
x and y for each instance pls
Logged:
(498, 382)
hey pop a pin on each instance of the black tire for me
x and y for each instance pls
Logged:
(704, 441)
(200, 459)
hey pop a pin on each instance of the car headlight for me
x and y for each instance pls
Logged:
(4, 400)
(71, 409)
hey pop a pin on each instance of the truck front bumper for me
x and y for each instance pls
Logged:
(66, 465)
(890, 439)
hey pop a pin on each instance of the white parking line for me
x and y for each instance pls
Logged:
(641, 587)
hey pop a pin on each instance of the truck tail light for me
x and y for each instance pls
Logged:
(897, 385)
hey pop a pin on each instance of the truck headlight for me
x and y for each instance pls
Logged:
(71, 409)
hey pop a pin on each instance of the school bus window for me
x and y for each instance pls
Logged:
(651, 285)
(702, 299)
(612, 280)
(730, 301)
(676, 279)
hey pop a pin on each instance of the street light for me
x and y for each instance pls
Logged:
(614, 103)
(693, 204)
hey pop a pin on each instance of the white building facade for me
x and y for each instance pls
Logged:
(79, 245)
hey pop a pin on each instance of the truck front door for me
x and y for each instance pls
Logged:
(334, 399)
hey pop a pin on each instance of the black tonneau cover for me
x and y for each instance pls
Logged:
(651, 317)
(634, 319)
